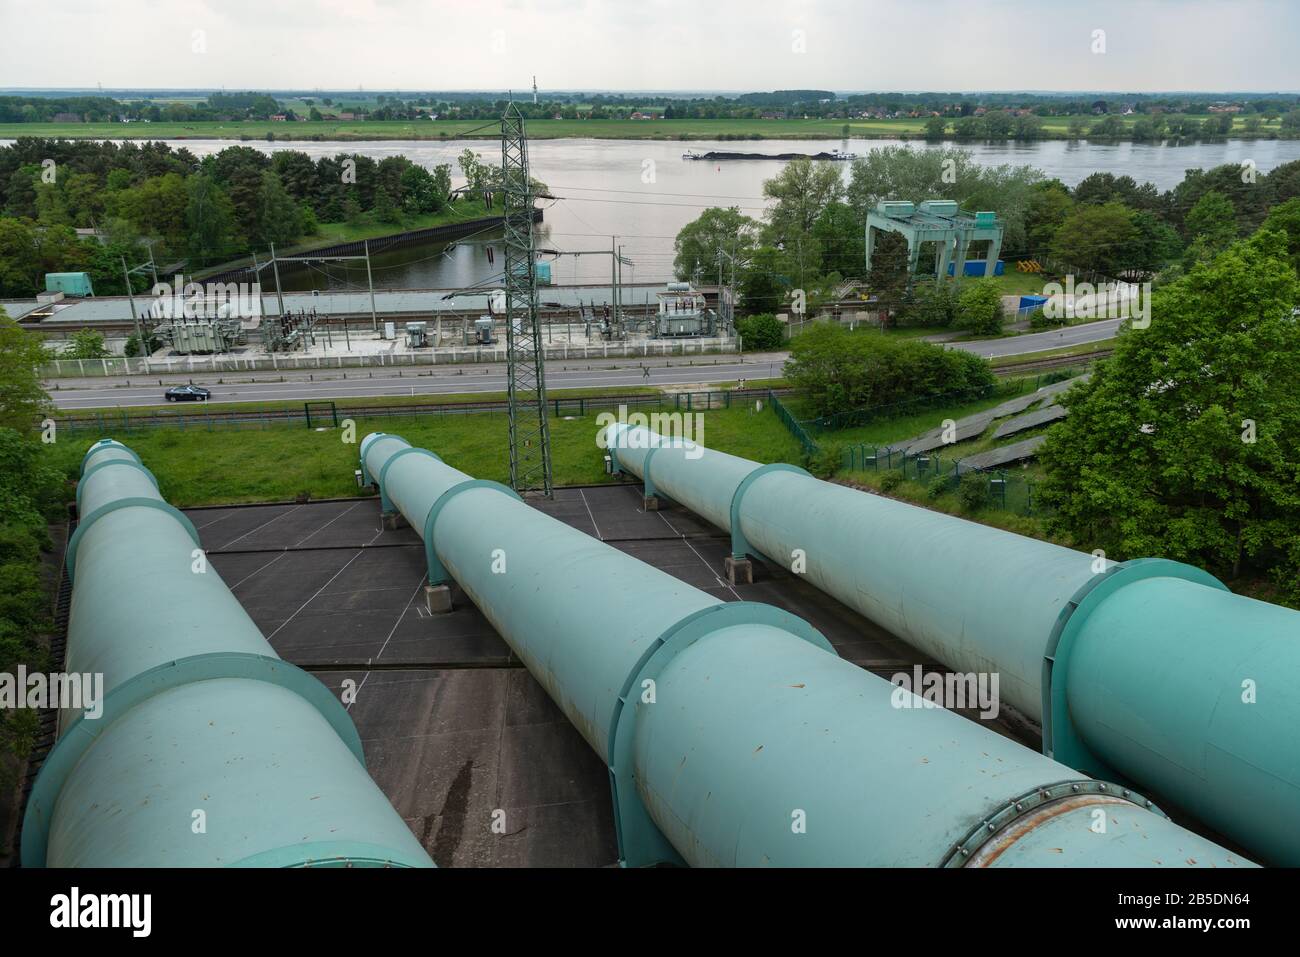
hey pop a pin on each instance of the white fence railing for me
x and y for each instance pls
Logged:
(290, 362)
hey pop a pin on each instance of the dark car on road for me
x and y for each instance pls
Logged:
(187, 393)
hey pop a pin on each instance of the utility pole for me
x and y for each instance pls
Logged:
(530, 436)
(153, 267)
(257, 278)
(135, 316)
(275, 268)
(374, 316)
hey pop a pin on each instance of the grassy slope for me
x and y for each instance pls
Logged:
(537, 129)
(330, 234)
(275, 464)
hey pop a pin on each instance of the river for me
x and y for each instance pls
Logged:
(642, 192)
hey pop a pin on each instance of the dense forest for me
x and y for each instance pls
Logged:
(202, 212)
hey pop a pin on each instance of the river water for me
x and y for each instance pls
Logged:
(642, 192)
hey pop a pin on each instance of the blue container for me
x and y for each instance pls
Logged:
(1029, 303)
(975, 267)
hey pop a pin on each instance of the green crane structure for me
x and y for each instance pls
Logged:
(530, 437)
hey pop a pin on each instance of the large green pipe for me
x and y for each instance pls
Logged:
(210, 750)
(1148, 671)
(732, 732)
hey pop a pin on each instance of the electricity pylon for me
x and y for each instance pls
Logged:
(530, 434)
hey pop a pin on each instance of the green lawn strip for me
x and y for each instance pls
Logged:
(278, 463)
(1085, 348)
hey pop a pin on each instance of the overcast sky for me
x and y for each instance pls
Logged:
(653, 44)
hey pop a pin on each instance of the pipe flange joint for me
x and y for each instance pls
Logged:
(84, 732)
(438, 574)
(648, 489)
(615, 467)
(386, 503)
(1061, 740)
(967, 851)
(366, 477)
(99, 466)
(740, 547)
(640, 842)
(106, 444)
(132, 502)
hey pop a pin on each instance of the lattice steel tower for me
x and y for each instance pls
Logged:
(530, 435)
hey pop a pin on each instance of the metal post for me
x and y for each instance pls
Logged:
(275, 268)
(374, 316)
(257, 278)
(135, 317)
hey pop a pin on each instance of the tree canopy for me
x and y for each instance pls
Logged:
(1186, 442)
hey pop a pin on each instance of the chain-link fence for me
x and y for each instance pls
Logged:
(866, 415)
(810, 448)
(1002, 488)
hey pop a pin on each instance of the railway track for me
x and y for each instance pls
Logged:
(1055, 362)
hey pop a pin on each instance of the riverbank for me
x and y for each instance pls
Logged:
(1054, 127)
(335, 238)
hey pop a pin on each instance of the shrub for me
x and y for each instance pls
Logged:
(1038, 319)
(938, 485)
(761, 332)
(839, 371)
(973, 492)
(934, 305)
(979, 308)
(891, 480)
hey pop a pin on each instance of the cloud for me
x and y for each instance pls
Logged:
(670, 44)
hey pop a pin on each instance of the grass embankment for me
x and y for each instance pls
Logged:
(906, 425)
(333, 234)
(278, 464)
(1054, 127)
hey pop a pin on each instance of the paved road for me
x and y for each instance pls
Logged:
(1041, 341)
(95, 393)
(469, 380)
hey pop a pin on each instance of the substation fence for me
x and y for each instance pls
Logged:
(796, 428)
(854, 418)
(1005, 490)
(289, 362)
(325, 414)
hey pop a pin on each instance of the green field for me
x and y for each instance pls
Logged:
(1053, 127)
(278, 464)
